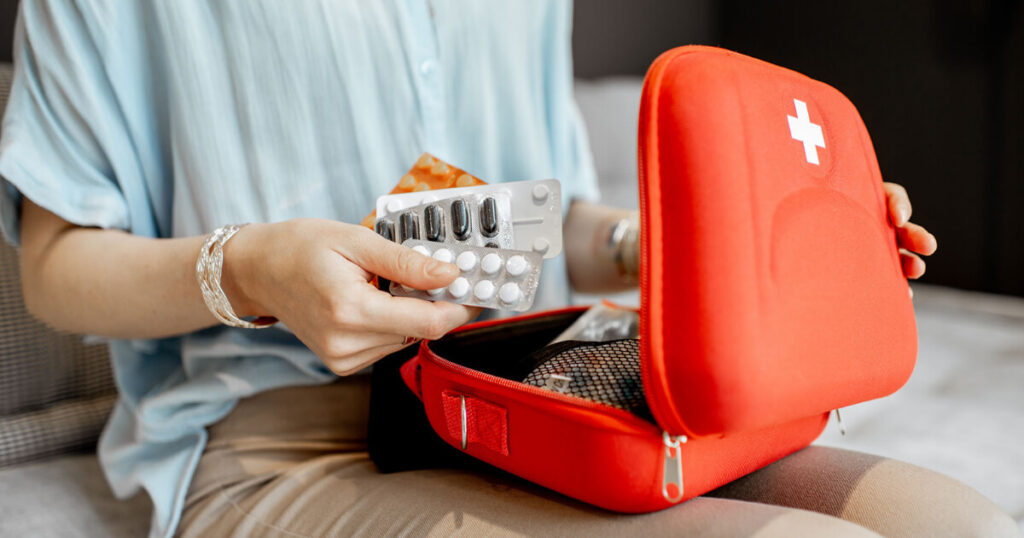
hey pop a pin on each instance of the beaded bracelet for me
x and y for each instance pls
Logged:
(209, 267)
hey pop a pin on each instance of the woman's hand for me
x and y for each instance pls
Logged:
(314, 276)
(912, 238)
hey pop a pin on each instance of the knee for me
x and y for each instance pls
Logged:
(900, 499)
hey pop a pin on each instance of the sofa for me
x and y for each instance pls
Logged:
(959, 414)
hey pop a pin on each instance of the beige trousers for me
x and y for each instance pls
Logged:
(292, 462)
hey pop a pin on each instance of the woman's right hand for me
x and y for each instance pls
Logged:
(315, 276)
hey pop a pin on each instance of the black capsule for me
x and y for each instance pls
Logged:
(409, 225)
(460, 220)
(489, 217)
(433, 223)
(491, 245)
(386, 229)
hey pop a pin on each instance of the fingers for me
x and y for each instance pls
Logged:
(915, 238)
(351, 364)
(346, 343)
(395, 262)
(911, 237)
(378, 311)
(899, 203)
(352, 350)
(913, 265)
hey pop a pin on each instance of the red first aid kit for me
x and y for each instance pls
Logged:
(771, 293)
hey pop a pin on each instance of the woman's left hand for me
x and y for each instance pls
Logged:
(914, 241)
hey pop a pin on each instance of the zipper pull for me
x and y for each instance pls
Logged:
(672, 468)
(463, 419)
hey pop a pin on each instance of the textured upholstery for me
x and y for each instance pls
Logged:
(67, 497)
(6, 74)
(55, 390)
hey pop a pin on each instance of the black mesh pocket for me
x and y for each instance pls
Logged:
(604, 372)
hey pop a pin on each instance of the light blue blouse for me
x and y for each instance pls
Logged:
(173, 118)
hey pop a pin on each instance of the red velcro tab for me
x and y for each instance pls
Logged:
(473, 421)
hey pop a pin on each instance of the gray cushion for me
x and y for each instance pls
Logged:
(40, 367)
(55, 395)
(60, 428)
(55, 391)
(67, 497)
(6, 74)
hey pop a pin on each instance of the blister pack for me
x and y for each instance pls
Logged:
(534, 211)
(476, 219)
(603, 322)
(489, 277)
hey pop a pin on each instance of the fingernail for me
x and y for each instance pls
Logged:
(903, 216)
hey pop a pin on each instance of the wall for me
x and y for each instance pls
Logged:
(940, 88)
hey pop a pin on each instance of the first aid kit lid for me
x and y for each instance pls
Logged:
(771, 283)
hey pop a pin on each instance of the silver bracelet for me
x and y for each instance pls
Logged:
(209, 267)
(624, 244)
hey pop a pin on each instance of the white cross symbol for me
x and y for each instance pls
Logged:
(801, 129)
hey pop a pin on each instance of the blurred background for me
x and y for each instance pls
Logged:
(940, 85)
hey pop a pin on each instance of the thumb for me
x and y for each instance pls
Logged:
(401, 264)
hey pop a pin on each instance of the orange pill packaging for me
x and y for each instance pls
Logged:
(771, 294)
(429, 173)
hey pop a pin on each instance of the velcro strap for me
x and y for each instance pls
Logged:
(482, 424)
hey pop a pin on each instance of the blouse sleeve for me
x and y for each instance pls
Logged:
(573, 159)
(64, 142)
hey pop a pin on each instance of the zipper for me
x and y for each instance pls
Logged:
(651, 84)
(839, 422)
(672, 484)
(648, 122)
(672, 487)
(672, 467)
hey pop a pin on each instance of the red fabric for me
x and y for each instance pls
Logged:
(410, 372)
(771, 286)
(486, 423)
(597, 454)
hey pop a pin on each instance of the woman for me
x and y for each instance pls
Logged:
(136, 128)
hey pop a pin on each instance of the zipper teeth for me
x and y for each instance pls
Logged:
(645, 239)
(533, 390)
(654, 78)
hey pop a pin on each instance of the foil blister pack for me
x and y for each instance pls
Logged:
(534, 211)
(475, 219)
(488, 277)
